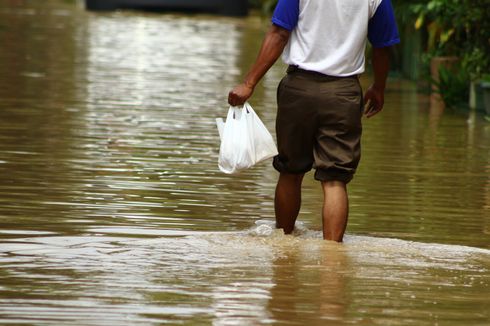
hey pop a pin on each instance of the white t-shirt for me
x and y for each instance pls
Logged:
(330, 36)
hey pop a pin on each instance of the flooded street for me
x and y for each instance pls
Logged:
(113, 210)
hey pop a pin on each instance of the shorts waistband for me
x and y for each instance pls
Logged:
(295, 69)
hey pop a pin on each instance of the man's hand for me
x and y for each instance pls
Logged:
(375, 95)
(374, 101)
(274, 42)
(239, 95)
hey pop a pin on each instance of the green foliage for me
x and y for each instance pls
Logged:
(266, 6)
(404, 10)
(453, 86)
(454, 27)
(485, 78)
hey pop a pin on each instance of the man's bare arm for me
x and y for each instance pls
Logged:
(274, 42)
(374, 97)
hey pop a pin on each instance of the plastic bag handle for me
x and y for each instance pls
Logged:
(245, 107)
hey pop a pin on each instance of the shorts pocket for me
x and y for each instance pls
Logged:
(347, 94)
(352, 97)
(294, 88)
(295, 83)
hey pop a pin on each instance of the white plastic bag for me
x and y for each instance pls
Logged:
(245, 141)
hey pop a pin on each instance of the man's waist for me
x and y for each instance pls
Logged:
(295, 69)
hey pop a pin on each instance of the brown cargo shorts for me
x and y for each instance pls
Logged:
(318, 125)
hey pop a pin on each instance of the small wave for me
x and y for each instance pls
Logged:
(266, 228)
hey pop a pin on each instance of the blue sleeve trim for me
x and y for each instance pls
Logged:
(282, 24)
(386, 44)
(382, 29)
(286, 14)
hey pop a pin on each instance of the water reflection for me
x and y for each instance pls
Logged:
(311, 285)
(113, 211)
(253, 277)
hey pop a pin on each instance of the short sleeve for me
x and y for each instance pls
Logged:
(382, 29)
(286, 14)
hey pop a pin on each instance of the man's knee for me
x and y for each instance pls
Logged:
(334, 186)
(291, 178)
(333, 183)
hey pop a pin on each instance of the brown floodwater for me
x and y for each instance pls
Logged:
(113, 210)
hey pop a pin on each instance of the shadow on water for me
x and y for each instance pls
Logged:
(113, 211)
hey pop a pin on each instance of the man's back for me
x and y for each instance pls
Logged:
(329, 36)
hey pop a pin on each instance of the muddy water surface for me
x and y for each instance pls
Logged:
(113, 211)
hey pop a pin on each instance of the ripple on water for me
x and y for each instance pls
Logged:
(110, 188)
(234, 273)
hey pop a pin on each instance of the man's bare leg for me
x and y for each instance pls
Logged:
(287, 201)
(335, 210)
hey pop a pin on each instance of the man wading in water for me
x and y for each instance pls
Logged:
(320, 102)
